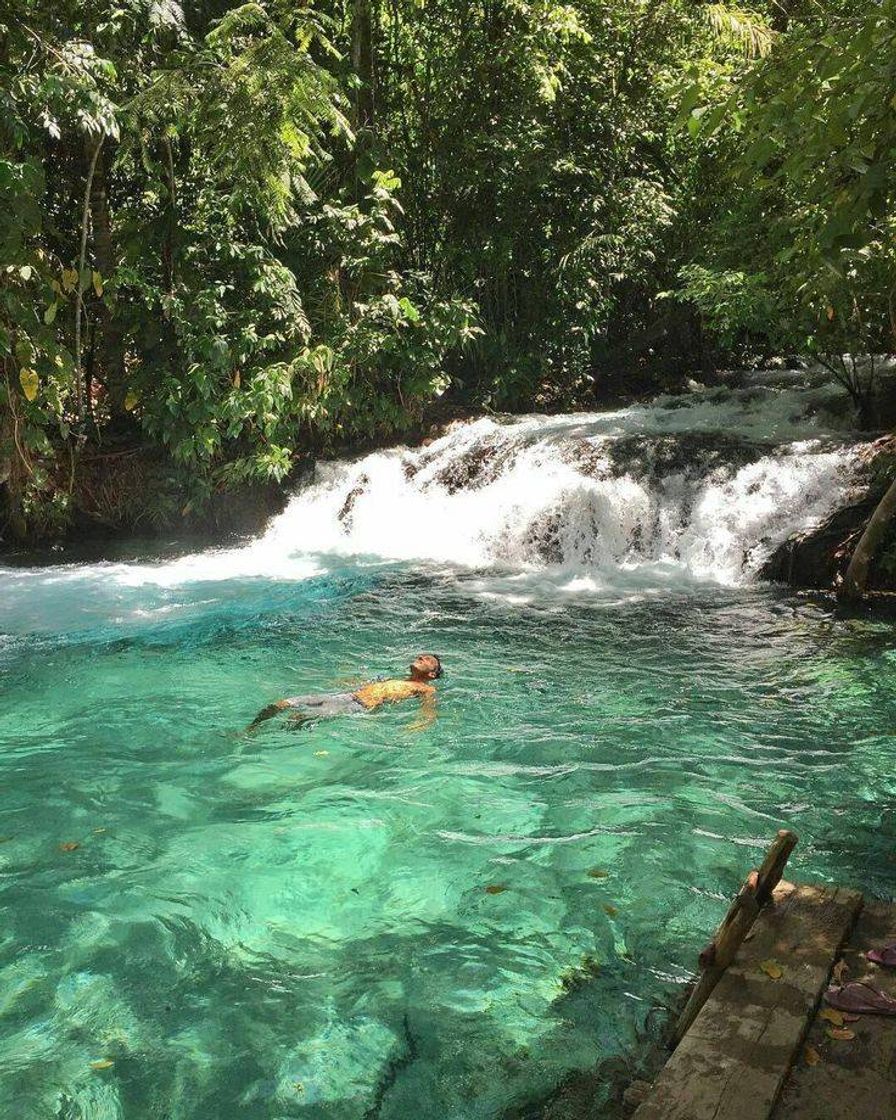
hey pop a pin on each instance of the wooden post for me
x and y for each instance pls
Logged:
(720, 952)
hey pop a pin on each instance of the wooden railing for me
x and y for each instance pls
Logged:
(728, 938)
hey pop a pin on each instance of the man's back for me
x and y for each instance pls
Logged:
(375, 693)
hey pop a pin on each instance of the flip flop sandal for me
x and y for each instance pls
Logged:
(860, 998)
(885, 957)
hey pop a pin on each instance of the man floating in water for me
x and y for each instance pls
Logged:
(426, 667)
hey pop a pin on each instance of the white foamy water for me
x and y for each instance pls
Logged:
(693, 488)
(706, 485)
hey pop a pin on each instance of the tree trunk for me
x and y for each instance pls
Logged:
(169, 271)
(103, 248)
(92, 152)
(363, 63)
(856, 578)
(12, 473)
(106, 259)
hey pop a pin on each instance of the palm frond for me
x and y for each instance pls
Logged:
(743, 27)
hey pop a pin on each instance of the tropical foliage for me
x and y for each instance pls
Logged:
(232, 235)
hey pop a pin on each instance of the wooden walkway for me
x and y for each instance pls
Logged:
(757, 1048)
(852, 1079)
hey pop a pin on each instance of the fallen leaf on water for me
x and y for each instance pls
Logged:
(771, 969)
(105, 1063)
(842, 1034)
(598, 873)
(839, 970)
(69, 846)
(495, 888)
(611, 910)
(835, 1018)
(811, 1056)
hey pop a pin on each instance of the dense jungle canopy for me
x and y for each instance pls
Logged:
(234, 235)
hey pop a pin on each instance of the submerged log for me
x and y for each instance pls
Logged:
(720, 952)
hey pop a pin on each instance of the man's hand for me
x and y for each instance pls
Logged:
(428, 713)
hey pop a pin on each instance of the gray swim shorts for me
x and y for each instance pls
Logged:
(322, 707)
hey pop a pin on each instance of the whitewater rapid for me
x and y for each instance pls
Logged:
(696, 487)
(708, 484)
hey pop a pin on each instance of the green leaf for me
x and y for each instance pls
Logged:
(410, 311)
(24, 351)
(29, 381)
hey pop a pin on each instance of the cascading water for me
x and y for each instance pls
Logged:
(699, 487)
(706, 484)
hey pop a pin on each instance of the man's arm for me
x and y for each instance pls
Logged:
(428, 712)
(268, 712)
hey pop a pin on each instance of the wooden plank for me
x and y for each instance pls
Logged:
(853, 1079)
(732, 1063)
(720, 952)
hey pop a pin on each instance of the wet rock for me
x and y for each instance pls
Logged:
(634, 1096)
(691, 453)
(542, 540)
(475, 468)
(345, 514)
(818, 557)
(589, 459)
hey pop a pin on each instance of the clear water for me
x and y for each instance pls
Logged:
(299, 923)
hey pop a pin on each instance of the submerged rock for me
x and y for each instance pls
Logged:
(94, 1099)
(341, 1069)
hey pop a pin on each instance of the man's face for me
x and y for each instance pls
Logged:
(425, 666)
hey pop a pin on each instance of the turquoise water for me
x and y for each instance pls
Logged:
(297, 924)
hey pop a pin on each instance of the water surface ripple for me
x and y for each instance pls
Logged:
(299, 924)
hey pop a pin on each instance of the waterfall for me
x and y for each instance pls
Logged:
(707, 484)
(696, 487)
